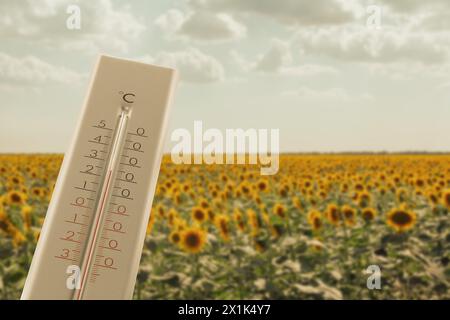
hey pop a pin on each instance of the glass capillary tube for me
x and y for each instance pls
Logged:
(106, 189)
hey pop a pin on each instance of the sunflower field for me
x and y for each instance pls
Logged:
(225, 232)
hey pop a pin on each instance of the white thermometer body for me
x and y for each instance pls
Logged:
(92, 237)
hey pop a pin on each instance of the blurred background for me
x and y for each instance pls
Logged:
(332, 75)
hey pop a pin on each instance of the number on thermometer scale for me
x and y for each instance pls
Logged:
(115, 220)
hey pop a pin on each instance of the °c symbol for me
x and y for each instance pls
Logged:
(128, 97)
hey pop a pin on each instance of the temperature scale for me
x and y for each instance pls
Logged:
(92, 238)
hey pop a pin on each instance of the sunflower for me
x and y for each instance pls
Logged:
(307, 184)
(284, 191)
(401, 219)
(245, 188)
(15, 197)
(402, 194)
(199, 215)
(160, 211)
(151, 222)
(359, 187)
(257, 199)
(419, 182)
(15, 180)
(254, 221)
(349, 215)
(180, 224)
(222, 224)
(27, 216)
(173, 214)
(178, 198)
(333, 214)
(262, 185)
(315, 219)
(203, 203)
(238, 219)
(368, 214)
(364, 199)
(3, 215)
(36, 192)
(175, 237)
(193, 240)
(434, 199)
(297, 203)
(279, 210)
(18, 237)
(446, 198)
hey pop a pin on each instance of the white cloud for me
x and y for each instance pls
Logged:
(290, 12)
(278, 60)
(408, 6)
(200, 25)
(192, 64)
(103, 26)
(326, 95)
(357, 43)
(170, 21)
(31, 71)
(278, 56)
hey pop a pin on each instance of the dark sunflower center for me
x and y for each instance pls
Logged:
(192, 240)
(223, 226)
(334, 214)
(199, 215)
(317, 223)
(447, 198)
(401, 218)
(15, 197)
(368, 215)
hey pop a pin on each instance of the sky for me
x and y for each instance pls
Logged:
(331, 75)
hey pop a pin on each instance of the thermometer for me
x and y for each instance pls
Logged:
(92, 237)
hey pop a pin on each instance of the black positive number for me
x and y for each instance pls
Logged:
(89, 168)
(93, 153)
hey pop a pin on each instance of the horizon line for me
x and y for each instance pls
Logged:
(282, 152)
